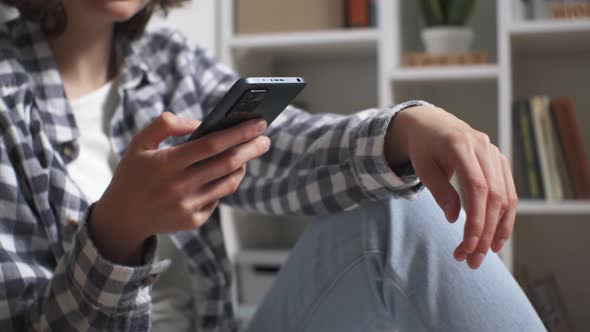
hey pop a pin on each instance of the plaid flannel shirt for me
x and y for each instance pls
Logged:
(51, 275)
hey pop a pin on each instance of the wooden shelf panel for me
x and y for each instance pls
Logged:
(320, 42)
(447, 73)
(568, 207)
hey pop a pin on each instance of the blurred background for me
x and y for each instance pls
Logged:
(517, 70)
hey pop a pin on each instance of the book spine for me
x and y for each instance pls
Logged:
(560, 322)
(520, 165)
(373, 13)
(530, 151)
(525, 8)
(574, 151)
(566, 177)
(540, 9)
(358, 13)
(537, 105)
(546, 300)
(551, 147)
(541, 302)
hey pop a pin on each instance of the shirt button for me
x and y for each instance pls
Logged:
(149, 280)
(73, 223)
(67, 151)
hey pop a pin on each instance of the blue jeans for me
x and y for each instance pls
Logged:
(389, 267)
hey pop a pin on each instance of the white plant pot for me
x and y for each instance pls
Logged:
(444, 40)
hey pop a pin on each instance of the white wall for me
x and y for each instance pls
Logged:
(197, 20)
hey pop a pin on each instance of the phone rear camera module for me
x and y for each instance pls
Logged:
(250, 100)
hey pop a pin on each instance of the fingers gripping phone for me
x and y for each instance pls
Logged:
(250, 98)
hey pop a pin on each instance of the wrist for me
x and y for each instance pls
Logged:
(396, 147)
(112, 240)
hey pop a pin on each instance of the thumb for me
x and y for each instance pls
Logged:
(166, 125)
(437, 180)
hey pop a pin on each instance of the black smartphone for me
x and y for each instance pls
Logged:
(250, 98)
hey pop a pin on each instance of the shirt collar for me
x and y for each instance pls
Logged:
(135, 68)
(50, 97)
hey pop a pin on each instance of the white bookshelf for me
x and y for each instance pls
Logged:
(551, 37)
(549, 28)
(527, 58)
(565, 208)
(442, 74)
(352, 40)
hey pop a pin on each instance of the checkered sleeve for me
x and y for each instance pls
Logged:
(325, 163)
(85, 292)
(317, 163)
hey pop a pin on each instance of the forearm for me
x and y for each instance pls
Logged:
(124, 246)
(85, 291)
(322, 164)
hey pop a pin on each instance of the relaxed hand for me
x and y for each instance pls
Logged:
(440, 145)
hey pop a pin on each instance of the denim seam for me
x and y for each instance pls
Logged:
(397, 280)
(409, 294)
(328, 288)
(378, 299)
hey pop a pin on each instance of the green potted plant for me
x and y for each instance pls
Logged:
(446, 28)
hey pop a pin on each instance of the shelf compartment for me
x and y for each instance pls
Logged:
(551, 36)
(256, 272)
(566, 207)
(320, 42)
(556, 74)
(558, 244)
(447, 73)
(472, 100)
(258, 232)
(410, 22)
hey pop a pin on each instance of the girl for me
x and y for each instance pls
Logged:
(83, 89)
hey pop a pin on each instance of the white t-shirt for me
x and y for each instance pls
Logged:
(93, 169)
(172, 304)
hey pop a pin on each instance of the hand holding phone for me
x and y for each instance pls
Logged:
(157, 191)
(162, 191)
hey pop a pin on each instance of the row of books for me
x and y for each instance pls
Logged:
(550, 161)
(546, 298)
(263, 16)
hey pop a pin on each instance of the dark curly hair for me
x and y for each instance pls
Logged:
(51, 15)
